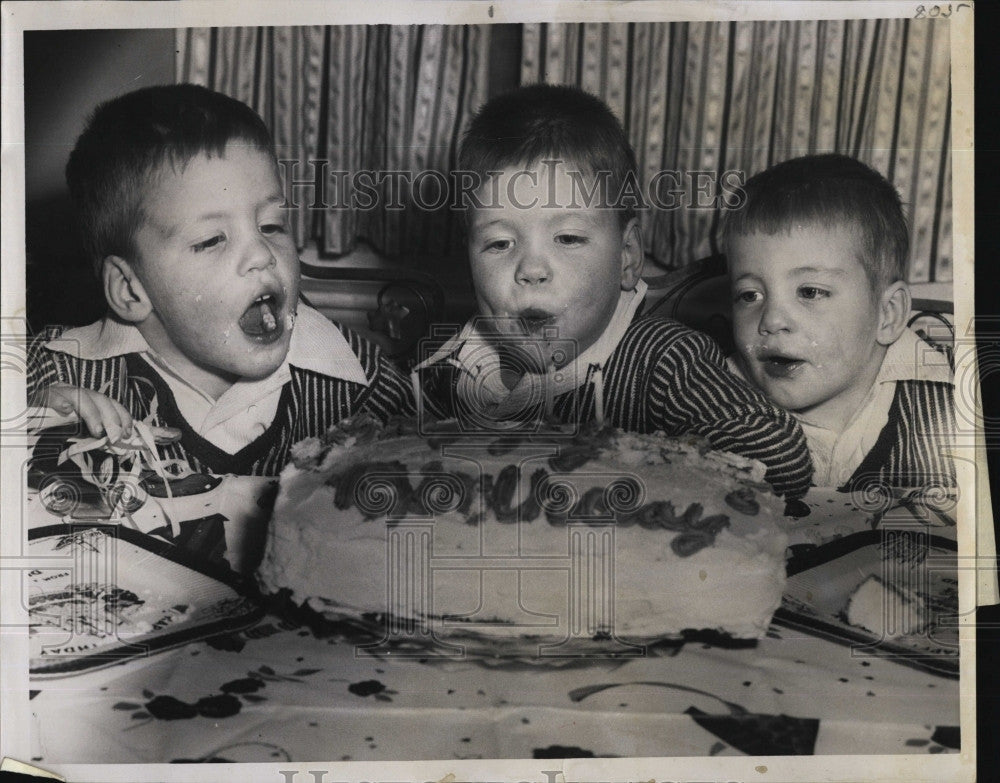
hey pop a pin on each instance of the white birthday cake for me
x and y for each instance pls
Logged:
(600, 534)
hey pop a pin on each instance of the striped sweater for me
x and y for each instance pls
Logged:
(309, 403)
(662, 376)
(913, 448)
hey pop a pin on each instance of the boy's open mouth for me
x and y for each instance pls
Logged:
(779, 366)
(261, 319)
(535, 319)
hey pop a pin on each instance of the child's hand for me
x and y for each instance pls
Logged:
(101, 414)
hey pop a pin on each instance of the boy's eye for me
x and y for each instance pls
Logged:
(498, 245)
(748, 297)
(570, 240)
(812, 292)
(273, 228)
(208, 243)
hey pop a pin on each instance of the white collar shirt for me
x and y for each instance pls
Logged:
(245, 410)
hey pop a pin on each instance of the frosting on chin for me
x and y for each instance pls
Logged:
(692, 542)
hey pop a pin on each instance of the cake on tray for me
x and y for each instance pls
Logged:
(594, 534)
(885, 609)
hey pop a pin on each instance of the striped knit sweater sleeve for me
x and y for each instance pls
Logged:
(389, 391)
(45, 367)
(110, 377)
(437, 391)
(41, 367)
(692, 391)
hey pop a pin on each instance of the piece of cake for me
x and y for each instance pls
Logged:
(886, 610)
(601, 534)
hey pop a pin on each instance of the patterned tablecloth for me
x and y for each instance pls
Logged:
(276, 692)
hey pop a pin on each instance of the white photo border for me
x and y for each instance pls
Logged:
(16, 718)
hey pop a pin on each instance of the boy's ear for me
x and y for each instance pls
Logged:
(894, 309)
(632, 255)
(123, 290)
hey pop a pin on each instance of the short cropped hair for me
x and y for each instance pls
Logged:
(829, 190)
(128, 139)
(551, 122)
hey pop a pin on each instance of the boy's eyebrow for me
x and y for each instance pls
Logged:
(587, 216)
(172, 231)
(825, 269)
(798, 270)
(494, 222)
(211, 216)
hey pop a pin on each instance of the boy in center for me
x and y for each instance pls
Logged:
(556, 260)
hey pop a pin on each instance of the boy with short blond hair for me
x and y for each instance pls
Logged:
(817, 257)
(180, 206)
(556, 257)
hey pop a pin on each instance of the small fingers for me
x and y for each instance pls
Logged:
(60, 398)
(114, 419)
(90, 413)
(124, 417)
(165, 435)
(101, 414)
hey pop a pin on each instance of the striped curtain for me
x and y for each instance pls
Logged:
(722, 96)
(363, 98)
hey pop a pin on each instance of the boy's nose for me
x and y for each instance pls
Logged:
(532, 269)
(774, 319)
(258, 255)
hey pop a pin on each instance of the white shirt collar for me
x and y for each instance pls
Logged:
(316, 345)
(836, 454)
(911, 358)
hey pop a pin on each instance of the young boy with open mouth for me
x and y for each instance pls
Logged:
(180, 206)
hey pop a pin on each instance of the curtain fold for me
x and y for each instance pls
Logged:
(703, 98)
(358, 98)
(698, 99)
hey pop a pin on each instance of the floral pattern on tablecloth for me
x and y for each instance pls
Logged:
(276, 692)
